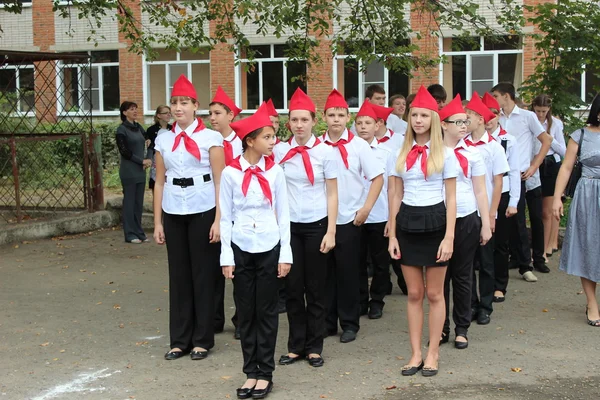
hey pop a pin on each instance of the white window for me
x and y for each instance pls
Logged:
(16, 89)
(270, 76)
(161, 73)
(587, 86)
(352, 83)
(477, 64)
(96, 90)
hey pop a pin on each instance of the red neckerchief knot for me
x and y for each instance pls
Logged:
(255, 170)
(340, 144)
(303, 151)
(190, 145)
(462, 160)
(412, 156)
(385, 138)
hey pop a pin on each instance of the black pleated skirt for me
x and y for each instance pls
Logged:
(420, 230)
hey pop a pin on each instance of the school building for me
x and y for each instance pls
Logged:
(119, 75)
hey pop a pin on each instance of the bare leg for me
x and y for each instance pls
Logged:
(547, 219)
(416, 290)
(554, 233)
(437, 312)
(589, 288)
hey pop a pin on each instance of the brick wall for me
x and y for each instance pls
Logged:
(222, 68)
(528, 42)
(319, 75)
(45, 72)
(428, 47)
(130, 64)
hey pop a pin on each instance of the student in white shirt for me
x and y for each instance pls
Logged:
(355, 161)
(422, 223)
(384, 134)
(496, 166)
(373, 231)
(375, 94)
(311, 174)
(189, 162)
(542, 106)
(525, 127)
(511, 193)
(471, 230)
(221, 112)
(395, 120)
(255, 246)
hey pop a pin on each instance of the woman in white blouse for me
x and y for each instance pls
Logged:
(189, 162)
(255, 246)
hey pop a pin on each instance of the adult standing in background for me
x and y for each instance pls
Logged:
(162, 116)
(135, 158)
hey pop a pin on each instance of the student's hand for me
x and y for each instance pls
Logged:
(485, 236)
(214, 235)
(394, 248)
(493, 222)
(147, 142)
(328, 242)
(386, 230)
(147, 163)
(228, 271)
(361, 216)
(510, 211)
(445, 250)
(159, 234)
(283, 270)
(557, 209)
(527, 174)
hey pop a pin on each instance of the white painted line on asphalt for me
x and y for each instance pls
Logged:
(153, 337)
(77, 385)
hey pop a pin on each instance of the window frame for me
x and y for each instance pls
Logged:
(145, 79)
(17, 69)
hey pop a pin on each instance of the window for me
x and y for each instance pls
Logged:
(163, 71)
(587, 86)
(95, 90)
(270, 76)
(16, 89)
(477, 64)
(352, 83)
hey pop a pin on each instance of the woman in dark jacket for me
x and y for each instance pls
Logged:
(135, 158)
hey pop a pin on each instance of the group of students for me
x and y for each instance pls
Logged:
(445, 190)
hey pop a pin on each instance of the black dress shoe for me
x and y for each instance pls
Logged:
(199, 355)
(316, 361)
(348, 336)
(375, 312)
(287, 360)
(483, 318)
(237, 335)
(461, 345)
(499, 299)
(244, 393)
(542, 268)
(174, 355)
(262, 393)
(409, 370)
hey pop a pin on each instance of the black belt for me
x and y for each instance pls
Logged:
(185, 182)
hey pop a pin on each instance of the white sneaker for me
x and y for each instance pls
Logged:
(529, 276)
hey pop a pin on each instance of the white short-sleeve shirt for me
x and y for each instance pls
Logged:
(525, 127)
(179, 163)
(380, 210)
(558, 148)
(511, 182)
(466, 203)
(396, 124)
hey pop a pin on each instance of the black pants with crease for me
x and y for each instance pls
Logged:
(501, 249)
(519, 237)
(375, 245)
(534, 205)
(133, 207)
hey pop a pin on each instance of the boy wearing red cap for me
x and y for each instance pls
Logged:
(255, 246)
(496, 166)
(189, 161)
(355, 163)
(373, 231)
(471, 230)
(393, 140)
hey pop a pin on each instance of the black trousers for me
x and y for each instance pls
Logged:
(534, 205)
(256, 290)
(193, 264)
(501, 249)
(397, 267)
(133, 206)
(375, 245)
(305, 286)
(343, 293)
(460, 272)
(519, 237)
(484, 301)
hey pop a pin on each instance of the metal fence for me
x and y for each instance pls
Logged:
(48, 157)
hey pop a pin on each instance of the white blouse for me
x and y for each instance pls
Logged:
(308, 202)
(466, 202)
(250, 221)
(512, 182)
(525, 127)
(380, 210)
(421, 192)
(181, 164)
(558, 148)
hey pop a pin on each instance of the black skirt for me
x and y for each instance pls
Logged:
(548, 173)
(420, 230)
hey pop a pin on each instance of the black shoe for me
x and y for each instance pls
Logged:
(542, 268)
(461, 345)
(409, 370)
(445, 338)
(428, 371)
(237, 334)
(244, 393)
(316, 361)
(174, 355)
(364, 310)
(348, 336)
(262, 393)
(198, 355)
(287, 360)
(499, 299)
(483, 318)
(375, 312)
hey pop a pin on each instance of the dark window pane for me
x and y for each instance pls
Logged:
(27, 89)
(296, 77)
(507, 68)
(261, 51)
(279, 50)
(273, 83)
(8, 86)
(459, 81)
(252, 86)
(397, 84)
(8, 79)
(110, 88)
(592, 85)
(105, 56)
(466, 44)
(351, 81)
(71, 89)
(482, 67)
(502, 43)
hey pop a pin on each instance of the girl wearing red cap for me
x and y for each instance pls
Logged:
(189, 161)
(471, 230)
(421, 226)
(255, 246)
(311, 175)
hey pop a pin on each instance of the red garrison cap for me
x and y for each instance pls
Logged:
(424, 99)
(382, 112)
(271, 108)
(183, 87)
(367, 110)
(301, 101)
(454, 107)
(335, 100)
(258, 120)
(221, 97)
(490, 101)
(477, 106)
